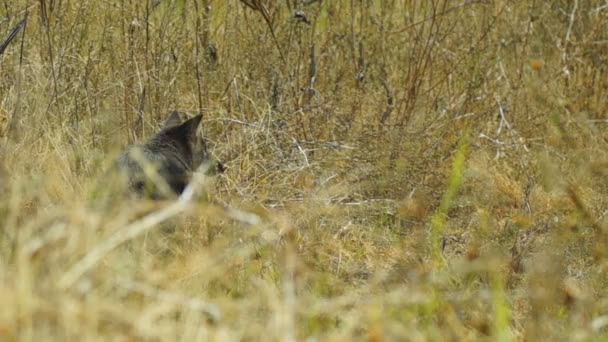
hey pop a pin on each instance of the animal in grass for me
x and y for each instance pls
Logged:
(163, 166)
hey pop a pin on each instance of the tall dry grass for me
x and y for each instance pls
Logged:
(421, 170)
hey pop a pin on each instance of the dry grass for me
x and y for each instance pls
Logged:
(422, 170)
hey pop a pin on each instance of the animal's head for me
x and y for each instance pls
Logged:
(182, 134)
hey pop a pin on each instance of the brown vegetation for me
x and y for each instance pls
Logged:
(416, 170)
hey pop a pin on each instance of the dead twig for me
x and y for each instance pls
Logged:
(12, 34)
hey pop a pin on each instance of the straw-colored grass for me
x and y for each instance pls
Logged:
(396, 170)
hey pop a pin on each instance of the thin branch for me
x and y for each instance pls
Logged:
(12, 34)
(257, 5)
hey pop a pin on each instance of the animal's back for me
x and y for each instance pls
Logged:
(164, 165)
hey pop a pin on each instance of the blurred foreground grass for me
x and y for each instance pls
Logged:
(423, 170)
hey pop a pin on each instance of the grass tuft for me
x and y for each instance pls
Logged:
(395, 170)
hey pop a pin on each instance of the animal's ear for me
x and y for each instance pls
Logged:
(191, 125)
(187, 130)
(172, 120)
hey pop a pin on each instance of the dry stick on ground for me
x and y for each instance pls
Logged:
(146, 223)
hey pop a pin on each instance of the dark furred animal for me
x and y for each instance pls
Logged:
(162, 167)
